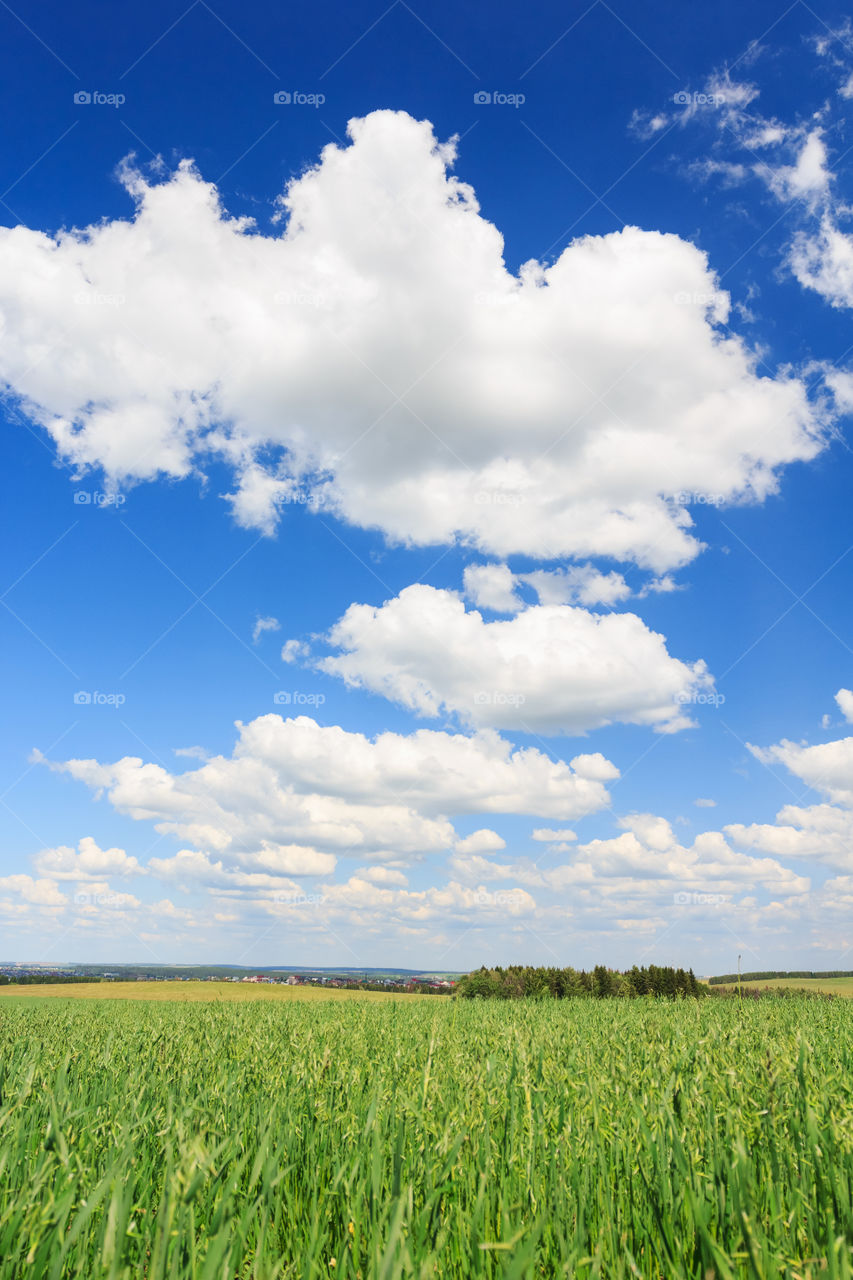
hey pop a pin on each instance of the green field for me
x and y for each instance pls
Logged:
(195, 991)
(375, 1139)
(831, 986)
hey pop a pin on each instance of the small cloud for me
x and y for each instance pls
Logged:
(492, 586)
(483, 841)
(825, 720)
(665, 584)
(808, 178)
(645, 125)
(728, 172)
(262, 625)
(769, 134)
(844, 698)
(192, 753)
(292, 650)
(729, 93)
(550, 835)
(382, 876)
(704, 803)
(580, 584)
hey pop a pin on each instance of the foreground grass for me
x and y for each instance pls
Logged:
(425, 1138)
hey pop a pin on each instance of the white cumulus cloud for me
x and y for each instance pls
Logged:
(375, 358)
(822, 831)
(262, 625)
(827, 767)
(550, 669)
(844, 699)
(39, 892)
(483, 841)
(88, 863)
(296, 795)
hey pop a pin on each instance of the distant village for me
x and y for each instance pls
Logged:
(406, 982)
(385, 984)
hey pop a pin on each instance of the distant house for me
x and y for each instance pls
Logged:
(292, 981)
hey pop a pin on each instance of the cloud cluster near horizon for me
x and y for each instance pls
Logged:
(387, 803)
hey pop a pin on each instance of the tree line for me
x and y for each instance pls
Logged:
(42, 979)
(519, 981)
(764, 975)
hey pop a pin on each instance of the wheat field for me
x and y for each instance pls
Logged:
(380, 1138)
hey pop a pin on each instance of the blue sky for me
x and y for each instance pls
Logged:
(549, 535)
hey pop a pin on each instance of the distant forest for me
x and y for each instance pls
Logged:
(518, 981)
(782, 973)
(43, 979)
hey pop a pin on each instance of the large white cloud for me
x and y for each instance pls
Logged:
(434, 771)
(550, 669)
(410, 382)
(295, 795)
